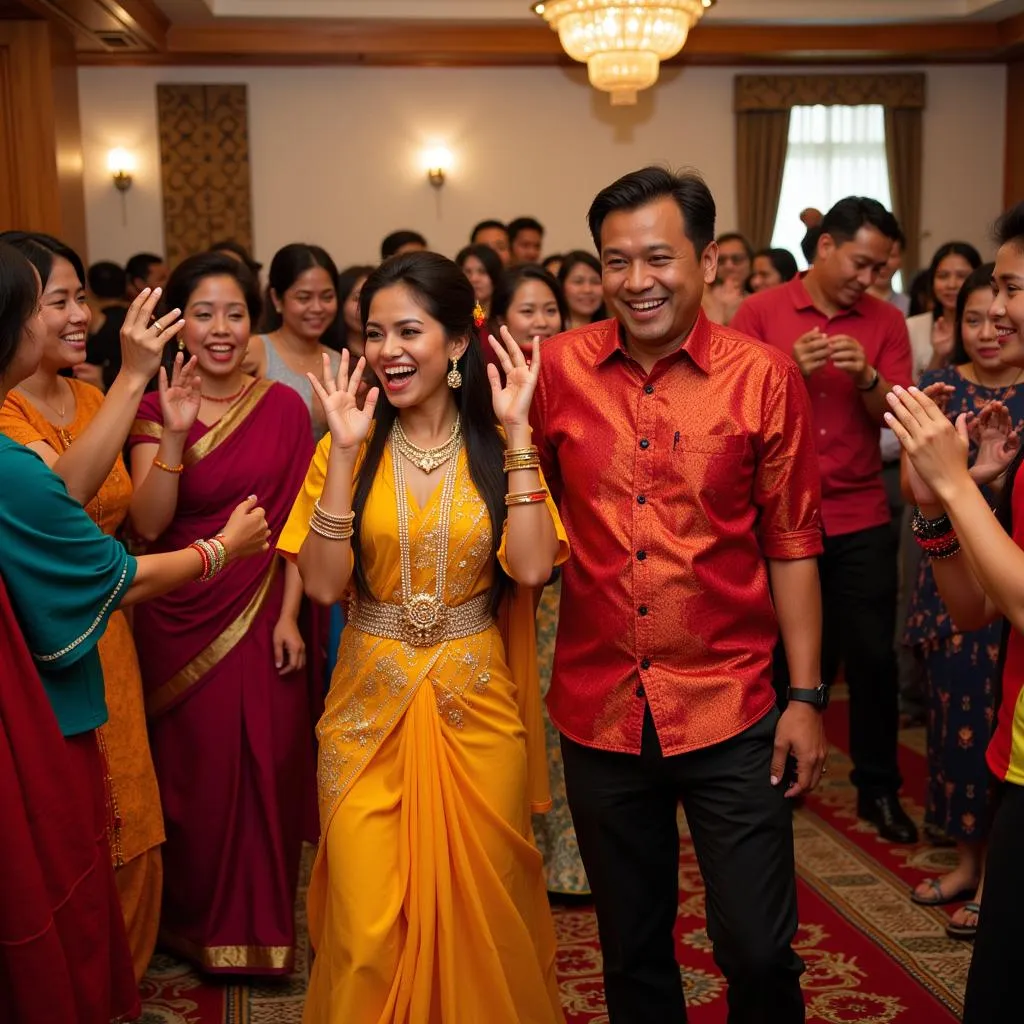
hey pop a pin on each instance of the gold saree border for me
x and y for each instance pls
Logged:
(157, 701)
(231, 958)
(147, 428)
(227, 424)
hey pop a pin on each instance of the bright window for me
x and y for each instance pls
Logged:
(833, 152)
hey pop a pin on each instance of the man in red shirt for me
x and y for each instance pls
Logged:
(851, 348)
(682, 458)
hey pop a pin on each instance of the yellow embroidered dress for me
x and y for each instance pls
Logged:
(427, 902)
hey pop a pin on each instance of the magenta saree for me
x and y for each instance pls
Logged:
(232, 740)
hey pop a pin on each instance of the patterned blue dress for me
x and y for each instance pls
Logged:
(961, 667)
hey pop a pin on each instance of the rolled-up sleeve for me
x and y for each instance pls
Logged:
(787, 484)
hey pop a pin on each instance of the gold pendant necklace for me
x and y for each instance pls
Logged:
(427, 459)
(424, 613)
(62, 431)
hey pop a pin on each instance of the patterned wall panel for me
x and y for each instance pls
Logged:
(204, 158)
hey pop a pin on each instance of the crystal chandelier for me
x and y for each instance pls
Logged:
(622, 42)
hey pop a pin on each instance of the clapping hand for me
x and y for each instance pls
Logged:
(936, 448)
(512, 402)
(992, 431)
(142, 342)
(811, 351)
(181, 396)
(940, 394)
(338, 396)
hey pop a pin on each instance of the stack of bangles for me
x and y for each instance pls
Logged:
(519, 459)
(936, 537)
(214, 556)
(330, 526)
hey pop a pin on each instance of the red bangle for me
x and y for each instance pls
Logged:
(205, 558)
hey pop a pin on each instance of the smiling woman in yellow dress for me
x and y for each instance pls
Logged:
(427, 901)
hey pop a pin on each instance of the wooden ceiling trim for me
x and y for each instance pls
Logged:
(444, 44)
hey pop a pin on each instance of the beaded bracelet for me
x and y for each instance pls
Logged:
(526, 498)
(929, 529)
(213, 554)
(180, 468)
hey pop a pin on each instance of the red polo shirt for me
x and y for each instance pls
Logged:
(852, 493)
(674, 487)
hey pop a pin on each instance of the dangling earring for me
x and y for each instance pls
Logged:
(478, 314)
(454, 377)
(181, 344)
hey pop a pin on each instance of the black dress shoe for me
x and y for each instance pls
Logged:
(886, 814)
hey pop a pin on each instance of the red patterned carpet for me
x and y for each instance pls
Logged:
(872, 956)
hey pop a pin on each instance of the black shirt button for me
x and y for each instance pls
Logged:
(642, 609)
(640, 691)
(645, 444)
(641, 500)
(646, 663)
(649, 389)
(641, 555)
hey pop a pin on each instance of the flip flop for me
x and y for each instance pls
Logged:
(938, 898)
(964, 931)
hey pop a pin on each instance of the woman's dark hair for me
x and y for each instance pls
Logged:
(1010, 227)
(191, 271)
(107, 280)
(444, 292)
(239, 250)
(981, 278)
(514, 277)
(41, 250)
(962, 249)
(920, 292)
(286, 267)
(347, 280)
(809, 244)
(488, 257)
(19, 294)
(639, 188)
(393, 242)
(782, 260)
(570, 261)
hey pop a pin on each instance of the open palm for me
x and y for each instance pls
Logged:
(997, 441)
(512, 402)
(181, 396)
(349, 425)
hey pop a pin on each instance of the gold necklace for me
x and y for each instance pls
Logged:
(427, 459)
(424, 613)
(62, 431)
(998, 387)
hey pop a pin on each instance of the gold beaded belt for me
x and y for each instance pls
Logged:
(423, 620)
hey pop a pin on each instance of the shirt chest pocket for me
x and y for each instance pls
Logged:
(716, 468)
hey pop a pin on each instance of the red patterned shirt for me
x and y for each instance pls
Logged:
(674, 487)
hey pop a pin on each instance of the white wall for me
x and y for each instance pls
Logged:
(335, 152)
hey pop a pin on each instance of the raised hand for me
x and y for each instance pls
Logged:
(992, 431)
(338, 397)
(810, 351)
(940, 394)
(936, 448)
(246, 532)
(942, 339)
(181, 396)
(142, 342)
(512, 402)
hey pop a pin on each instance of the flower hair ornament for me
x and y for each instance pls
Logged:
(478, 314)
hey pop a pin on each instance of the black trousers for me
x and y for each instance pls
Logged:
(858, 593)
(624, 811)
(995, 983)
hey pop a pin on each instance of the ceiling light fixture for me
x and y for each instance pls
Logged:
(622, 42)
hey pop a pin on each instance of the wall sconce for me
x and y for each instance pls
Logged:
(438, 162)
(121, 164)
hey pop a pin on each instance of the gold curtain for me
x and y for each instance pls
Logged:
(759, 164)
(903, 148)
(204, 162)
(761, 140)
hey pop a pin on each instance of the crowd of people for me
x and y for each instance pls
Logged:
(471, 571)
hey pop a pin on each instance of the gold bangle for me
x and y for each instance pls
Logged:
(180, 468)
(330, 526)
(522, 458)
(526, 498)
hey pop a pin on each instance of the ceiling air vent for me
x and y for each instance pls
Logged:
(116, 40)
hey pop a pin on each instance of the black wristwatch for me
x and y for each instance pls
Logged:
(874, 383)
(818, 696)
